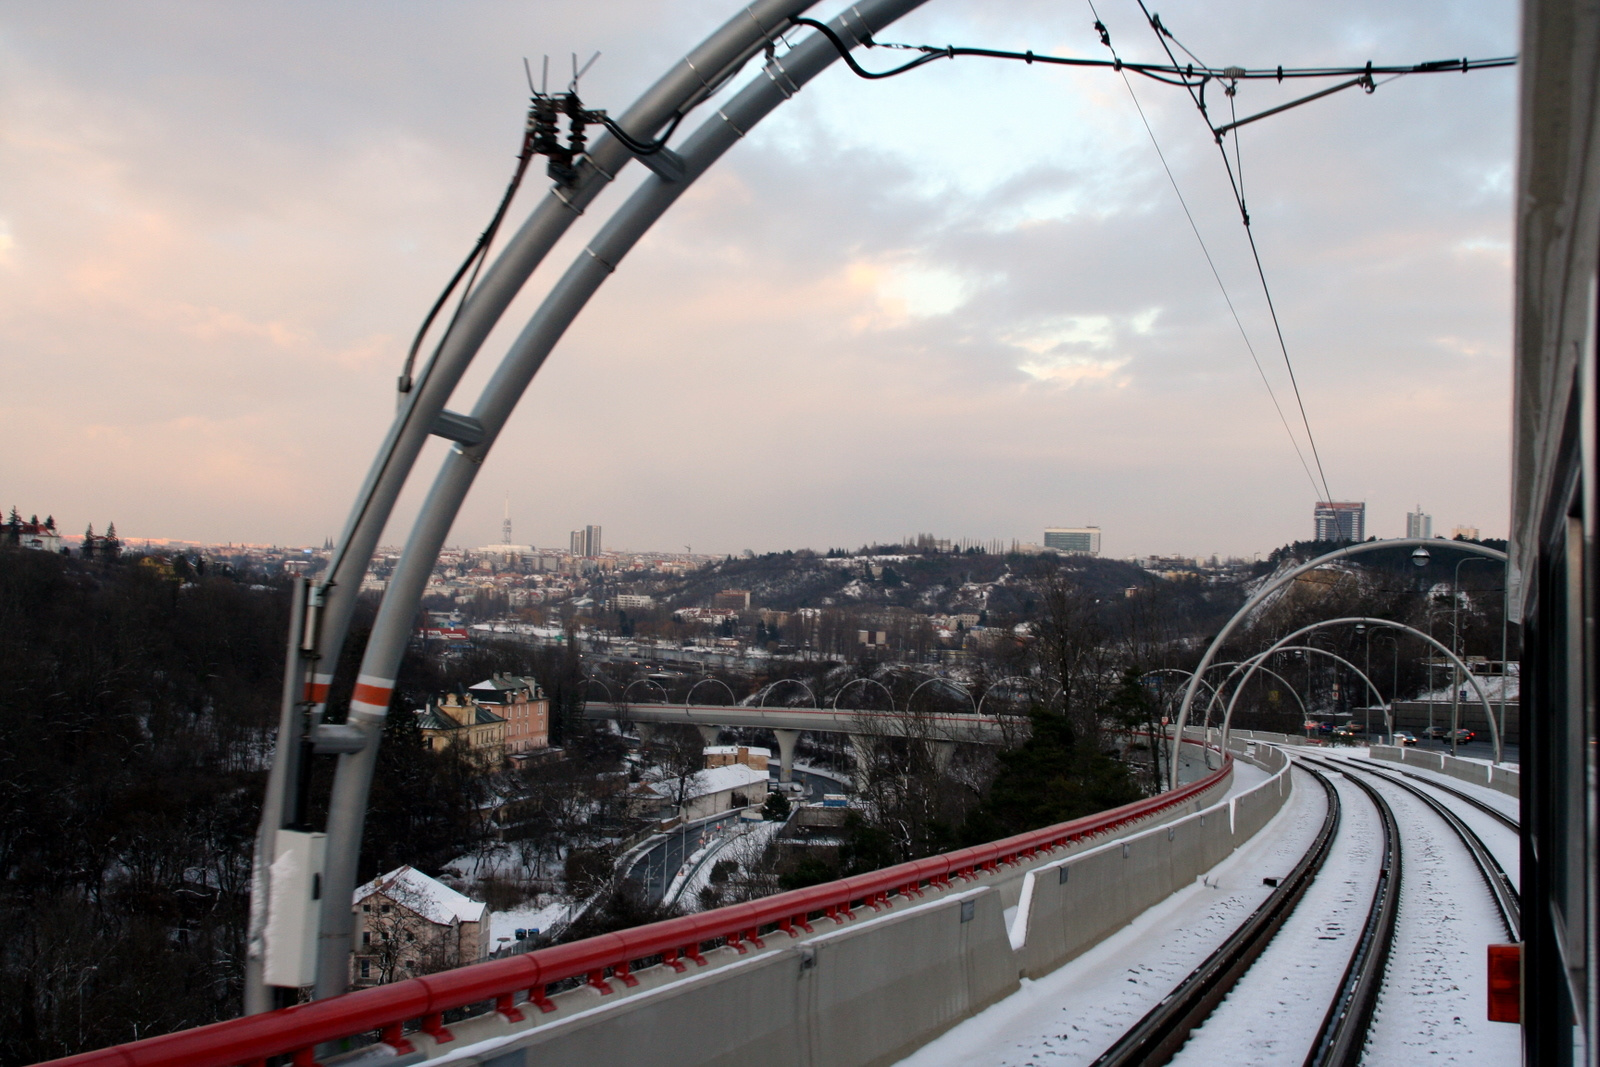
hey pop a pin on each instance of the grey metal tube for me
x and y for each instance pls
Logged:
(1275, 584)
(1254, 664)
(347, 807)
(1227, 718)
(686, 85)
(1216, 695)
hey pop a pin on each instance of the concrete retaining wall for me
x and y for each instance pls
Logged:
(870, 991)
(1502, 778)
(1073, 904)
(867, 994)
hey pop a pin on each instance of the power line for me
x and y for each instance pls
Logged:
(1237, 184)
(1105, 37)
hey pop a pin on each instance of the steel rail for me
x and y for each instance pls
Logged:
(1157, 1037)
(1506, 898)
(1514, 825)
(1343, 1033)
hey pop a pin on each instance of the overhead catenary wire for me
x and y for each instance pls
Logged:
(1105, 38)
(1237, 184)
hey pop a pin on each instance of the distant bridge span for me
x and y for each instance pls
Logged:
(786, 723)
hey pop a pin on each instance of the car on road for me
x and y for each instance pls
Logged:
(1404, 737)
(1437, 733)
(1465, 736)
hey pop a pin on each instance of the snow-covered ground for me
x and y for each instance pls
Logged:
(538, 916)
(743, 843)
(1073, 1014)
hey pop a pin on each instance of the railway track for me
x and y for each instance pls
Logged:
(1342, 1035)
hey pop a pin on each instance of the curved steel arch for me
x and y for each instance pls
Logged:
(761, 699)
(867, 681)
(320, 619)
(945, 682)
(1254, 662)
(784, 76)
(998, 684)
(688, 698)
(1216, 694)
(1274, 584)
(1483, 697)
(665, 697)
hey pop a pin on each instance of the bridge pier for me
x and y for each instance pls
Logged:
(861, 749)
(943, 752)
(787, 742)
(709, 733)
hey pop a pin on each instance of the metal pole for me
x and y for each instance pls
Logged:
(368, 709)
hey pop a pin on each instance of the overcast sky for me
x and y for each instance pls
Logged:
(964, 301)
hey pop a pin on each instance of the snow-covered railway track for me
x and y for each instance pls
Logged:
(1167, 1026)
(1428, 998)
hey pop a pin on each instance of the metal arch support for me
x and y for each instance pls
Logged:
(945, 682)
(685, 85)
(689, 697)
(353, 778)
(1483, 697)
(666, 698)
(862, 681)
(998, 684)
(1254, 664)
(1274, 584)
(761, 701)
(1216, 694)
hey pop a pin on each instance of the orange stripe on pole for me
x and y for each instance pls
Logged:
(376, 695)
(317, 692)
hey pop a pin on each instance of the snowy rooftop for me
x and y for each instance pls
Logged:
(715, 780)
(428, 897)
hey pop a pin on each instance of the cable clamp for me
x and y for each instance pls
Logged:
(723, 115)
(611, 268)
(560, 194)
(788, 90)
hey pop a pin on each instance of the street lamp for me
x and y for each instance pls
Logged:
(1420, 556)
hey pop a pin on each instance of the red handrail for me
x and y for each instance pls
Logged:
(601, 960)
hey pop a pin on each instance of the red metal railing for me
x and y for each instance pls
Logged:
(599, 961)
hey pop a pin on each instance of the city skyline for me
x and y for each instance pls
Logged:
(1026, 326)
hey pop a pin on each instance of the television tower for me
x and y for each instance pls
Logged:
(505, 524)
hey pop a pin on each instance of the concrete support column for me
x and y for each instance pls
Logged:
(709, 733)
(647, 732)
(861, 749)
(943, 752)
(787, 741)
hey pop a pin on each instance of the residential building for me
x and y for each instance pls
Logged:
(459, 719)
(1470, 533)
(732, 600)
(635, 601)
(408, 924)
(522, 703)
(1073, 540)
(743, 755)
(1419, 524)
(1340, 520)
(711, 791)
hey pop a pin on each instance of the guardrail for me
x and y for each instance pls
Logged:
(601, 961)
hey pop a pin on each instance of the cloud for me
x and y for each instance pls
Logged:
(965, 300)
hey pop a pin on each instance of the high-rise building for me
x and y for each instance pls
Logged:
(586, 542)
(1341, 520)
(1418, 524)
(1073, 540)
(1468, 532)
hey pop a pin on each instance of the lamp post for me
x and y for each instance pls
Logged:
(1394, 677)
(1455, 645)
(1366, 665)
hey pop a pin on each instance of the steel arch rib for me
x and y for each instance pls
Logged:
(683, 87)
(1274, 584)
(784, 76)
(1483, 698)
(1254, 664)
